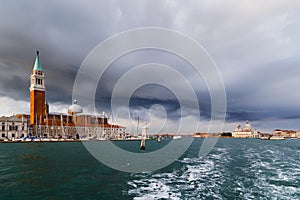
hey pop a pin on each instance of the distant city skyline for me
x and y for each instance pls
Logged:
(255, 45)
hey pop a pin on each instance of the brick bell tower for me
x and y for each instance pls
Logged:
(37, 93)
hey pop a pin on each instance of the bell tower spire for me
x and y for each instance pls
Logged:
(37, 92)
(37, 64)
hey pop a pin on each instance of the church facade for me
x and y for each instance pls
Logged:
(244, 132)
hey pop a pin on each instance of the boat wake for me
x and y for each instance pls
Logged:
(243, 172)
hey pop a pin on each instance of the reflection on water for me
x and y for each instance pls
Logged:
(31, 157)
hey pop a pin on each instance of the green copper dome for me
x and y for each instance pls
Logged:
(37, 64)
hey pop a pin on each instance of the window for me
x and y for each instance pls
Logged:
(13, 135)
(3, 134)
(3, 128)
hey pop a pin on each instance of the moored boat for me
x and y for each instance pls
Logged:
(158, 139)
(177, 137)
(265, 137)
(277, 138)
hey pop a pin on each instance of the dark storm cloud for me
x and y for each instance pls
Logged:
(255, 45)
(64, 32)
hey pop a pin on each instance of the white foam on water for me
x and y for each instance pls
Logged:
(267, 173)
(154, 186)
(198, 177)
(274, 178)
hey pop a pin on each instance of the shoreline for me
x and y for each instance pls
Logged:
(119, 140)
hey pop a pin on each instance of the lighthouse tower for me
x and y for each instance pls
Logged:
(37, 93)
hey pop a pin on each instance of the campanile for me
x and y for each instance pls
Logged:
(37, 93)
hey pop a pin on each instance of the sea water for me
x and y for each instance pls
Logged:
(234, 169)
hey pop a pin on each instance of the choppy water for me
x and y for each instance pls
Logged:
(234, 169)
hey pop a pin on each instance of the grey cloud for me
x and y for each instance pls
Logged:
(255, 45)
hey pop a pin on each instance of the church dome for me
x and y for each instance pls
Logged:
(247, 126)
(75, 108)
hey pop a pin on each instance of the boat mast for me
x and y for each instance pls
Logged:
(85, 125)
(40, 126)
(111, 126)
(102, 123)
(62, 126)
(47, 125)
(52, 128)
(138, 123)
(36, 127)
(27, 126)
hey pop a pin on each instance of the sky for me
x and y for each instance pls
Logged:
(255, 45)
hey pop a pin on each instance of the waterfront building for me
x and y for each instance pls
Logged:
(244, 132)
(298, 134)
(284, 133)
(207, 135)
(42, 124)
(74, 124)
(13, 127)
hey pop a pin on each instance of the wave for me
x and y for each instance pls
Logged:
(228, 172)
